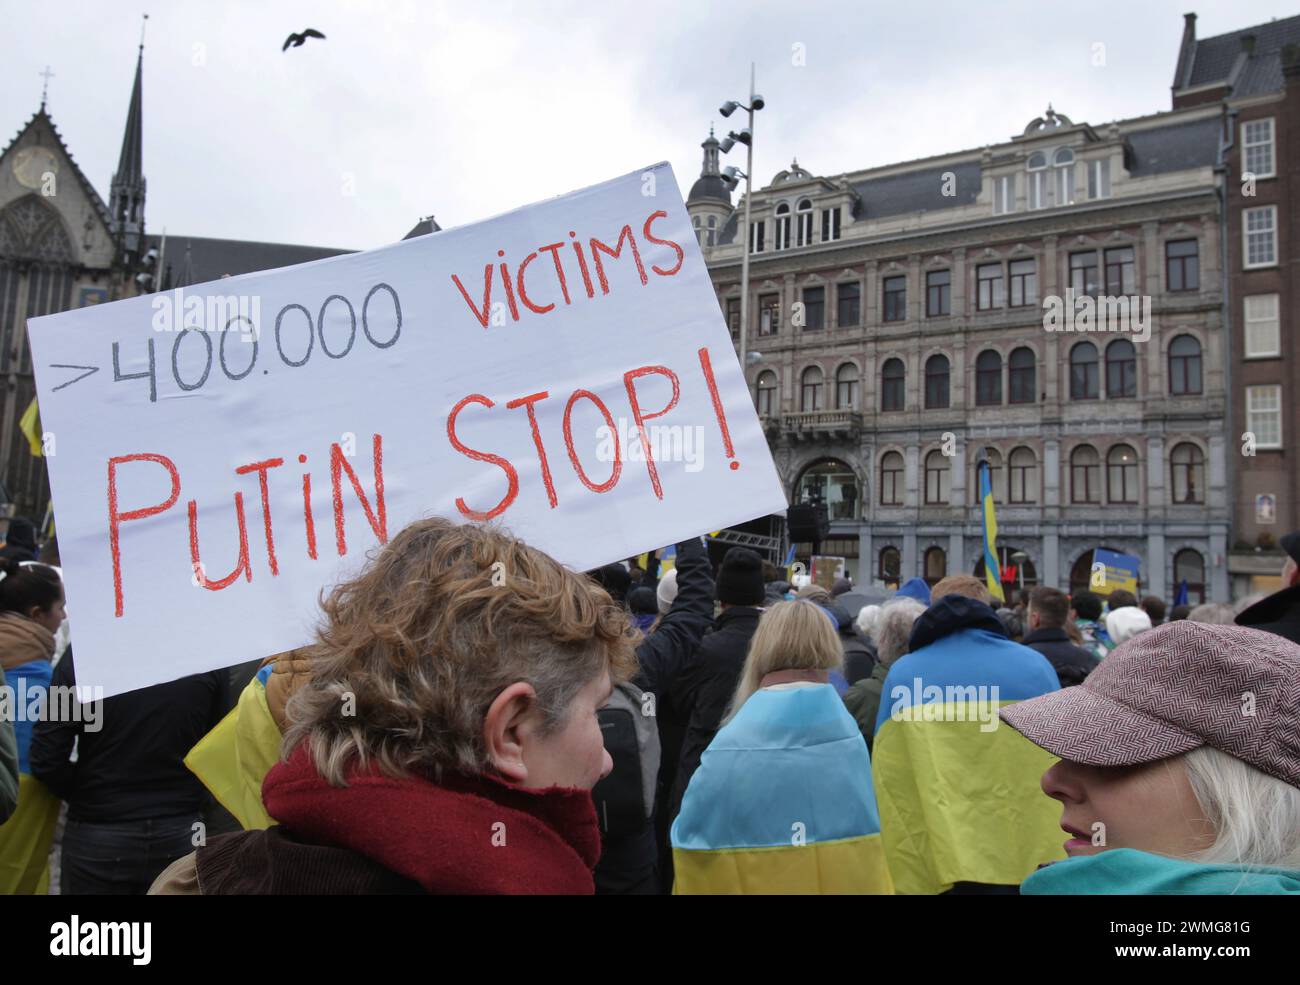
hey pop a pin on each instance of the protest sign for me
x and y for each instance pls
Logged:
(1112, 571)
(223, 453)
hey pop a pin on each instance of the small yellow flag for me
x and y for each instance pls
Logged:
(30, 425)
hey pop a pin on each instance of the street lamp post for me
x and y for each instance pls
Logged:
(1020, 557)
(746, 137)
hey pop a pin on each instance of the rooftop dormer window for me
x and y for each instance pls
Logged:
(805, 222)
(830, 224)
(1004, 194)
(1099, 178)
(1063, 167)
(782, 227)
(1037, 190)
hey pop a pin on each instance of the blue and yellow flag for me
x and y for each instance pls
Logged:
(233, 759)
(782, 803)
(960, 794)
(992, 570)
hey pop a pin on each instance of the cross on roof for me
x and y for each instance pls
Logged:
(45, 87)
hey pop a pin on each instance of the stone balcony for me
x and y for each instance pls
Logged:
(818, 425)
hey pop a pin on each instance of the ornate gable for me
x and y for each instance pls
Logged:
(49, 210)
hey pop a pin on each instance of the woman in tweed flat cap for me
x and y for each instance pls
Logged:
(1179, 766)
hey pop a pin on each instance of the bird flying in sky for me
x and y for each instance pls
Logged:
(298, 40)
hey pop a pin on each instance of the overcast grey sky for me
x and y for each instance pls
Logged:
(464, 110)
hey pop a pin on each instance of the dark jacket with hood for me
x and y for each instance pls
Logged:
(1072, 663)
(663, 656)
(707, 688)
(1278, 614)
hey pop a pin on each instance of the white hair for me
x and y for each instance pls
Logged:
(868, 618)
(1256, 817)
(895, 628)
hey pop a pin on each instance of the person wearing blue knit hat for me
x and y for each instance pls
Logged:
(914, 588)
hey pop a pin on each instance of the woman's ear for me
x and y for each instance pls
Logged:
(505, 727)
(35, 612)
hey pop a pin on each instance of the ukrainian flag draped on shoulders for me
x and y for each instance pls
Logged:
(959, 792)
(234, 758)
(782, 803)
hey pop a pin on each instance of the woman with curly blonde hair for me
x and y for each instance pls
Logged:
(447, 739)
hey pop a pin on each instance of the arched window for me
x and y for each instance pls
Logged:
(994, 458)
(892, 381)
(805, 218)
(988, 378)
(1184, 366)
(1022, 476)
(1084, 376)
(936, 479)
(831, 482)
(1063, 166)
(1121, 369)
(767, 386)
(891, 479)
(699, 235)
(713, 226)
(936, 565)
(783, 226)
(1189, 567)
(810, 389)
(846, 387)
(1085, 475)
(1037, 184)
(1121, 475)
(1020, 371)
(936, 382)
(1187, 463)
(891, 566)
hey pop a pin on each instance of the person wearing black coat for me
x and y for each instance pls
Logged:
(859, 652)
(643, 863)
(707, 688)
(1047, 613)
(1279, 614)
(133, 806)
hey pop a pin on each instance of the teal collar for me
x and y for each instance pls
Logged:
(1128, 871)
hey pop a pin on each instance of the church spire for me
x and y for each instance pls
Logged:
(127, 190)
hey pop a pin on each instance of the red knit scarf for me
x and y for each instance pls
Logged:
(464, 835)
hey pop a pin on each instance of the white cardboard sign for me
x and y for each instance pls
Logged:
(220, 454)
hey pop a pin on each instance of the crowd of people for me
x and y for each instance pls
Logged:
(474, 717)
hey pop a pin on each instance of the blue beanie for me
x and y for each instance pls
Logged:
(915, 588)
